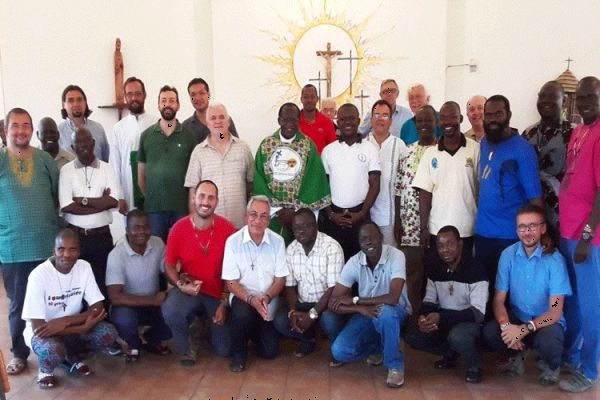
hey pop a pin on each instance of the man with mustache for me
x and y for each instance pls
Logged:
(508, 179)
(48, 135)
(449, 322)
(126, 141)
(447, 182)
(164, 153)
(75, 113)
(28, 221)
(549, 138)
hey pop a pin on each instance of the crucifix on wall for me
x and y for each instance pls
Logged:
(328, 55)
(119, 71)
(318, 79)
(350, 60)
(362, 97)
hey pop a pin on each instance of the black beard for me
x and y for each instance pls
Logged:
(494, 135)
(136, 108)
(166, 118)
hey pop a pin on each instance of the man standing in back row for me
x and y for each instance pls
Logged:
(164, 155)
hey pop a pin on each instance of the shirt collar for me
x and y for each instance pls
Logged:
(442, 147)
(371, 138)
(382, 260)
(130, 252)
(72, 125)
(537, 252)
(206, 144)
(246, 236)
(284, 140)
(94, 164)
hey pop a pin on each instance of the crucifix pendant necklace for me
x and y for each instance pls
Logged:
(204, 247)
(253, 259)
(62, 293)
(88, 183)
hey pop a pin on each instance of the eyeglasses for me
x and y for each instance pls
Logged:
(531, 227)
(385, 117)
(389, 91)
(261, 217)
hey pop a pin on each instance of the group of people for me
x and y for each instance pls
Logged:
(398, 227)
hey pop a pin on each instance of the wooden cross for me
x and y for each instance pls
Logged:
(361, 97)
(119, 70)
(350, 59)
(328, 55)
(318, 80)
(569, 61)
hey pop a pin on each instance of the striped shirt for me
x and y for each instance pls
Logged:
(230, 171)
(316, 272)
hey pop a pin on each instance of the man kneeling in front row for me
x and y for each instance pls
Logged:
(535, 283)
(449, 322)
(57, 330)
(380, 308)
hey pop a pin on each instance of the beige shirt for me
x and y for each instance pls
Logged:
(230, 171)
(62, 158)
(471, 135)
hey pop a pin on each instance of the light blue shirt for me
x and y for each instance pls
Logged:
(66, 129)
(531, 281)
(377, 282)
(399, 117)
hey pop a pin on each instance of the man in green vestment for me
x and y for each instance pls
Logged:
(289, 171)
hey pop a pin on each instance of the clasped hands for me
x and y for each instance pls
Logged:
(347, 219)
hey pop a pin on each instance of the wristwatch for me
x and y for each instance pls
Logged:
(531, 327)
(355, 300)
(504, 326)
(84, 201)
(588, 233)
(313, 314)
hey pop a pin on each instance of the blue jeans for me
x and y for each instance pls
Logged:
(547, 341)
(487, 254)
(128, 319)
(364, 336)
(15, 277)
(330, 322)
(463, 339)
(179, 311)
(162, 221)
(582, 310)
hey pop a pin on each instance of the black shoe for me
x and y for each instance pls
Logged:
(238, 364)
(304, 349)
(445, 363)
(473, 375)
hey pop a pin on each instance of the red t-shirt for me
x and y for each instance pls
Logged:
(321, 131)
(185, 244)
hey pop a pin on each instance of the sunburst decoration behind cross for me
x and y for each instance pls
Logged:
(287, 43)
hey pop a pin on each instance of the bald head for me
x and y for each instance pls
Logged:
(475, 107)
(65, 234)
(48, 134)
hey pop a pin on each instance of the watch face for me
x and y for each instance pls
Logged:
(530, 327)
(586, 235)
(84, 201)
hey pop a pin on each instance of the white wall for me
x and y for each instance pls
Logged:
(47, 45)
(519, 46)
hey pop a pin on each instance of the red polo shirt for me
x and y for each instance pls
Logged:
(321, 131)
(185, 243)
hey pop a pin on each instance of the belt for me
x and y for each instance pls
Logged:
(91, 231)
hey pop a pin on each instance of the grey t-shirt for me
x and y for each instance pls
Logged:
(137, 273)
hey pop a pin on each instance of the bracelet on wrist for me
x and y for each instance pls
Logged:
(266, 294)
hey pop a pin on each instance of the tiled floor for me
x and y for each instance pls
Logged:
(286, 378)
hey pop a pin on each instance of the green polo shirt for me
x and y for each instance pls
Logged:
(166, 159)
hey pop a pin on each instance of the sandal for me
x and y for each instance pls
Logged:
(132, 355)
(157, 349)
(78, 368)
(46, 381)
(16, 366)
